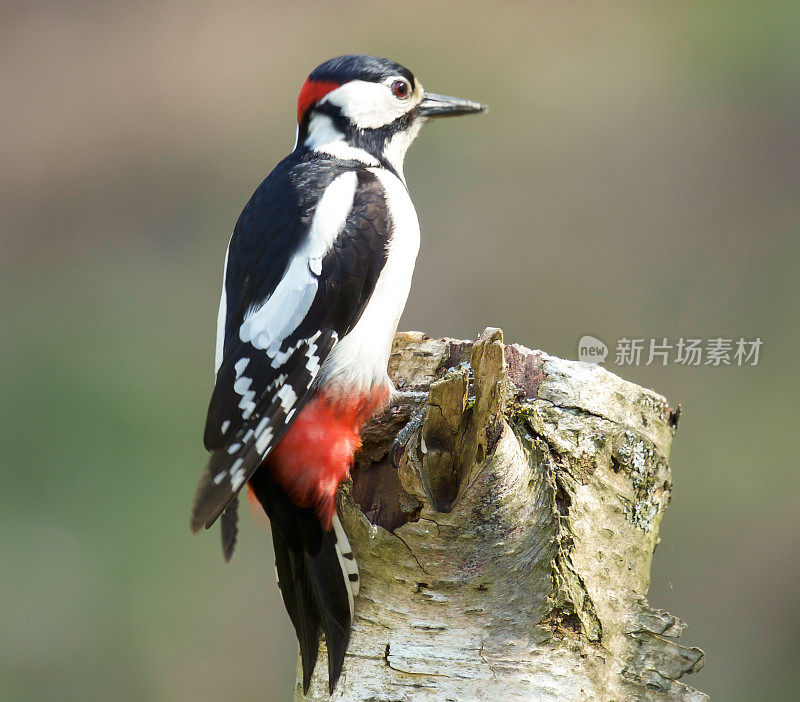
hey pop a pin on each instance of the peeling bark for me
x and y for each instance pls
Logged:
(505, 548)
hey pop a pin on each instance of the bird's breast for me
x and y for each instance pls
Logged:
(361, 357)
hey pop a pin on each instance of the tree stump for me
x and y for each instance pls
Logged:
(505, 544)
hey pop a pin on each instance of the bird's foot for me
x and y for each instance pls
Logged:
(401, 440)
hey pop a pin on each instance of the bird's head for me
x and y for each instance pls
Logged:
(355, 106)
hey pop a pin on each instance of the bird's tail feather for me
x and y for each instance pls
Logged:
(317, 576)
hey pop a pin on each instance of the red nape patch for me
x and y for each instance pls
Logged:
(311, 93)
(316, 453)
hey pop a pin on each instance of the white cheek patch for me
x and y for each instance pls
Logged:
(323, 136)
(368, 105)
(322, 131)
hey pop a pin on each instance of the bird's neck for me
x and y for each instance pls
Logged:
(372, 147)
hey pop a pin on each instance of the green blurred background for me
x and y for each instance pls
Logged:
(637, 176)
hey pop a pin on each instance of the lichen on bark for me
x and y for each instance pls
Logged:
(505, 548)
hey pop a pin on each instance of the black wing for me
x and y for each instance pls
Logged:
(266, 375)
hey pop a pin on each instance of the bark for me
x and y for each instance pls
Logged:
(505, 548)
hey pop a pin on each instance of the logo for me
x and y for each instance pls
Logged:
(591, 350)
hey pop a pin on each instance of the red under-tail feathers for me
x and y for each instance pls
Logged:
(315, 455)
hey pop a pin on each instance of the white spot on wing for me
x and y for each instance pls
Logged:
(312, 364)
(237, 474)
(280, 357)
(263, 440)
(287, 397)
(246, 404)
(241, 364)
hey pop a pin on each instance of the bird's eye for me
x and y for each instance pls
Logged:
(400, 89)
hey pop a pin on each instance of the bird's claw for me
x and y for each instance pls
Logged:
(401, 440)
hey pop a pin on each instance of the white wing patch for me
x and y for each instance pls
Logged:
(282, 312)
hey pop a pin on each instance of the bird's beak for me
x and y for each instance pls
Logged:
(434, 105)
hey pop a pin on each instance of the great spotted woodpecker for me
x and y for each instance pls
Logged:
(317, 273)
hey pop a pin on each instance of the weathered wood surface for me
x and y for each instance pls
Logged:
(507, 554)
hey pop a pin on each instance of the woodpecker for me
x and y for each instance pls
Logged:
(316, 275)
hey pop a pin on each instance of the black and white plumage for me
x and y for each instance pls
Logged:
(317, 273)
(285, 312)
